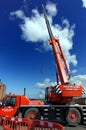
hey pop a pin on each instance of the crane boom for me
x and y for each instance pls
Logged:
(64, 71)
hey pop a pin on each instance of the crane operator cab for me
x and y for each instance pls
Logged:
(48, 93)
(53, 95)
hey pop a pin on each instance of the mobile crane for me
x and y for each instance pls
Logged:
(57, 105)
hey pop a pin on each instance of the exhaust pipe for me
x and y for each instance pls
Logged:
(24, 91)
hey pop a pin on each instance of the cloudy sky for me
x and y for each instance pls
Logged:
(26, 57)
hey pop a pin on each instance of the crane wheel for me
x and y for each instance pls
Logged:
(73, 116)
(32, 113)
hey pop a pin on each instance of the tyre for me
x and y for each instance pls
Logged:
(73, 116)
(32, 113)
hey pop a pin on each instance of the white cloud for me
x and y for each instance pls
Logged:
(74, 71)
(84, 3)
(51, 8)
(42, 94)
(79, 80)
(34, 30)
(18, 13)
(47, 82)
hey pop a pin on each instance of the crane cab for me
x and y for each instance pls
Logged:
(48, 93)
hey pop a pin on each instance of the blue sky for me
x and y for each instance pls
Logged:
(26, 59)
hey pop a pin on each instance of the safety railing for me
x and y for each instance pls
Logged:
(45, 125)
(14, 123)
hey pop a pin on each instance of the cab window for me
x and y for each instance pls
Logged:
(9, 101)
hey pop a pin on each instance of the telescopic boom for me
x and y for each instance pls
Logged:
(64, 71)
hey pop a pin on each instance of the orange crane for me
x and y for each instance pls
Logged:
(63, 92)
